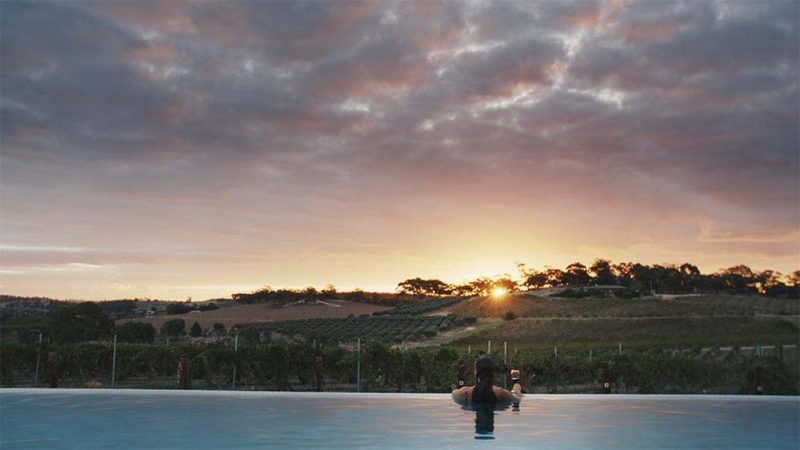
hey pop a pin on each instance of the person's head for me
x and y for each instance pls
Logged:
(484, 367)
(484, 377)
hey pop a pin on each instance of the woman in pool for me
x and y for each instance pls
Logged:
(484, 391)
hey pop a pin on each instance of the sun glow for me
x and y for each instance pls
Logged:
(499, 292)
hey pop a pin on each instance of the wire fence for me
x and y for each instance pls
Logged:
(375, 367)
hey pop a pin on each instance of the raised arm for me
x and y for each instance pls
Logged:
(461, 394)
(514, 395)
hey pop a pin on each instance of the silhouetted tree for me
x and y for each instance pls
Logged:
(602, 273)
(329, 290)
(535, 280)
(82, 322)
(576, 275)
(506, 283)
(419, 287)
(555, 277)
(738, 279)
(481, 286)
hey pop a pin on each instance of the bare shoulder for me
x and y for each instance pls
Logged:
(462, 393)
(503, 394)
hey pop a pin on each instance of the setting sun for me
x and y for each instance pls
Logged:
(499, 292)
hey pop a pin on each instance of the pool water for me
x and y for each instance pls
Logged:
(137, 419)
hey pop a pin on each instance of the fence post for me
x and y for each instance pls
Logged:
(183, 372)
(555, 351)
(620, 348)
(590, 355)
(469, 349)
(318, 372)
(505, 364)
(489, 347)
(358, 366)
(235, 358)
(52, 369)
(759, 380)
(461, 381)
(402, 366)
(38, 358)
(114, 364)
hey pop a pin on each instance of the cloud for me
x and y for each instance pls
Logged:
(196, 130)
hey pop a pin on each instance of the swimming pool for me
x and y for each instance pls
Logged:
(138, 419)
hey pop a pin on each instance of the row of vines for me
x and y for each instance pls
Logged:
(290, 366)
(421, 307)
(387, 328)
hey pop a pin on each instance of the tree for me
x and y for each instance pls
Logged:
(624, 272)
(739, 278)
(196, 330)
(505, 283)
(136, 332)
(535, 279)
(82, 322)
(602, 273)
(329, 290)
(178, 308)
(690, 269)
(119, 308)
(420, 287)
(576, 275)
(555, 277)
(173, 327)
(481, 286)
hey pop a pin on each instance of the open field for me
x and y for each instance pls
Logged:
(527, 305)
(230, 315)
(668, 332)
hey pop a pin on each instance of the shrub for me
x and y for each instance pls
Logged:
(196, 330)
(509, 315)
(178, 308)
(82, 322)
(136, 332)
(173, 327)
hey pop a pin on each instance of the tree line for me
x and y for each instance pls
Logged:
(641, 278)
(284, 296)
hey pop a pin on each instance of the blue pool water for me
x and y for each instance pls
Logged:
(136, 419)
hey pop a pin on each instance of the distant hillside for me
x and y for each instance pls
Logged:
(642, 333)
(234, 312)
(13, 308)
(529, 305)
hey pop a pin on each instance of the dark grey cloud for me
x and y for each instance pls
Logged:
(681, 111)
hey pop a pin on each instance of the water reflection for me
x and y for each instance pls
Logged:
(485, 414)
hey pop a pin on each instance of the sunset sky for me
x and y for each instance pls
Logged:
(174, 149)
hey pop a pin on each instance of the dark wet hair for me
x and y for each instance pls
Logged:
(483, 392)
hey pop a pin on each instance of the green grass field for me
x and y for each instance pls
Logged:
(711, 305)
(641, 333)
